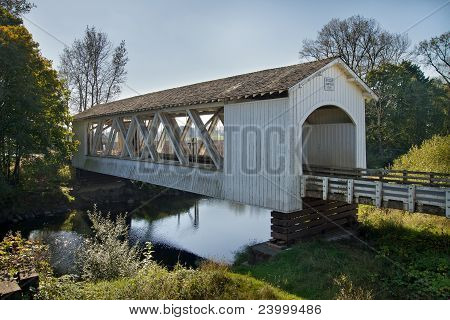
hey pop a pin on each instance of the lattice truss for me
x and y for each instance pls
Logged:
(190, 137)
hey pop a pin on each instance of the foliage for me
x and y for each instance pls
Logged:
(45, 183)
(407, 101)
(210, 281)
(309, 269)
(18, 254)
(41, 173)
(34, 116)
(93, 69)
(17, 7)
(347, 291)
(107, 254)
(360, 42)
(406, 257)
(414, 252)
(434, 53)
(432, 156)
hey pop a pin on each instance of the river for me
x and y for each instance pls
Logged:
(185, 229)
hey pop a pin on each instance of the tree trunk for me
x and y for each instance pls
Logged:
(16, 174)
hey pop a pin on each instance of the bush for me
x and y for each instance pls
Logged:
(107, 254)
(41, 173)
(433, 155)
(347, 291)
(18, 254)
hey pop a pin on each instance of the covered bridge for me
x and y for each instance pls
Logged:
(257, 138)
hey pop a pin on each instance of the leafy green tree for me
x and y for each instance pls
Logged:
(34, 115)
(17, 7)
(411, 108)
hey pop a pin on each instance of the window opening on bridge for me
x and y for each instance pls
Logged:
(188, 137)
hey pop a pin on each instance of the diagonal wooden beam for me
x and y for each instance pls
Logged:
(98, 136)
(209, 144)
(186, 129)
(161, 140)
(111, 138)
(180, 133)
(173, 131)
(211, 127)
(152, 133)
(129, 137)
(123, 133)
(148, 137)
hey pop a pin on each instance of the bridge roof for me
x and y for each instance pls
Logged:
(267, 81)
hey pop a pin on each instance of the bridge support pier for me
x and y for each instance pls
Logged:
(317, 217)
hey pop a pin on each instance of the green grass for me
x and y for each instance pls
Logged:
(403, 256)
(210, 281)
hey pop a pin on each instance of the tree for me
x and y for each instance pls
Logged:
(17, 7)
(93, 69)
(434, 53)
(34, 116)
(411, 108)
(358, 41)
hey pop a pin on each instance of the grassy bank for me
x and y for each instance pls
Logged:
(210, 281)
(399, 255)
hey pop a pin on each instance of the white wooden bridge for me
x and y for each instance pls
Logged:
(276, 138)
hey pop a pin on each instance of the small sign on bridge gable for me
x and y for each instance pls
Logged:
(328, 84)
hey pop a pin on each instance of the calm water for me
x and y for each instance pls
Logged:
(181, 228)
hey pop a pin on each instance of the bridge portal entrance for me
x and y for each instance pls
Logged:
(329, 138)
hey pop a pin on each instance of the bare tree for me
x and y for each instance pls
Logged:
(434, 53)
(360, 42)
(93, 69)
(17, 7)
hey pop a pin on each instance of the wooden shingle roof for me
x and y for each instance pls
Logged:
(268, 81)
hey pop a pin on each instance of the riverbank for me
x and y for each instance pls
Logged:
(78, 192)
(397, 255)
(209, 281)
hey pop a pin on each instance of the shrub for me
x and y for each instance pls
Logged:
(347, 291)
(18, 254)
(432, 155)
(107, 254)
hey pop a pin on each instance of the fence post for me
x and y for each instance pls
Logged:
(378, 193)
(350, 191)
(411, 197)
(447, 203)
(325, 188)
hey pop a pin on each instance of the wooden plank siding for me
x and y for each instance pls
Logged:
(330, 145)
(251, 153)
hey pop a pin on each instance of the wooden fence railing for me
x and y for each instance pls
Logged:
(387, 192)
(385, 175)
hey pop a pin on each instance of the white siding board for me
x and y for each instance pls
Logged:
(259, 188)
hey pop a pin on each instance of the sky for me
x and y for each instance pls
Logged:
(172, 43)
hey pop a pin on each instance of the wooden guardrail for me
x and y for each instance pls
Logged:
(384, 175)
(382, 191)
